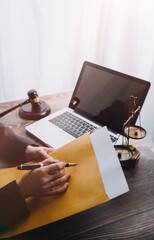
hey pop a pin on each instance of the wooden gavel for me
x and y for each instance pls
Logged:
(32, 108)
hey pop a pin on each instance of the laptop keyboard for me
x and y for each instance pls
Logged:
(74, 125)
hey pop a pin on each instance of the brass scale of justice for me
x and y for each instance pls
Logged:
(128, 154)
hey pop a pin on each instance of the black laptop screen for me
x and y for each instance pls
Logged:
(102, 95)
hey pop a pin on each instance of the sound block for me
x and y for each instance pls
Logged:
(31, 112)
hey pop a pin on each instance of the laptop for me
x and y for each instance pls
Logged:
(100, 98)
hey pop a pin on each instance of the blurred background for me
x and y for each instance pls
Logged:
(43, 44)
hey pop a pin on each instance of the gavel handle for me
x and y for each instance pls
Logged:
(13, 108)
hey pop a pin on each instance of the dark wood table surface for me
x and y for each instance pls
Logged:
(130, 216)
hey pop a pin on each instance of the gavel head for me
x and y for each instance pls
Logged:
(34, 108)
(34, 98)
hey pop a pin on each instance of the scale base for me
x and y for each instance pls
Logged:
(31, 112)
(128, 156)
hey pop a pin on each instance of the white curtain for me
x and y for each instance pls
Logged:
(43, 44)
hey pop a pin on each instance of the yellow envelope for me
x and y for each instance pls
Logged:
(85, 190)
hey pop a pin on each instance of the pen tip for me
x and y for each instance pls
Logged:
(71, 164)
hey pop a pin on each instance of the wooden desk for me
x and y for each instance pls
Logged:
(130, 216)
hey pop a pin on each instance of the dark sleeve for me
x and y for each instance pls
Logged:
(12, 147)
(13, 208)
(12, 205)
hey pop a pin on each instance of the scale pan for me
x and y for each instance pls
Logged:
(128, 156)
(135, 132)
(123, 152)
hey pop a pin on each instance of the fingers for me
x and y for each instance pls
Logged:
(49, 150)
(58, 174)
(59, 190)
(49, 160)
(37, 153)
(59, 181)
(43, 153)
(58, 186)
(54, 167)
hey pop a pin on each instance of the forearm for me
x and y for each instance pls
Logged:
(12, 147)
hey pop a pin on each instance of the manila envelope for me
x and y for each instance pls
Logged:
(85, 190)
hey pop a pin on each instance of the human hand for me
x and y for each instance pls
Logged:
(37, 153)
(44, 181)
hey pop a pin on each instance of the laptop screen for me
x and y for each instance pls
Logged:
(102, 95)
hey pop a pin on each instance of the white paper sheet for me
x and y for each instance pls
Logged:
(111, 172)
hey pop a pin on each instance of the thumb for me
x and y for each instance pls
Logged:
(44, 154)
(48, 150)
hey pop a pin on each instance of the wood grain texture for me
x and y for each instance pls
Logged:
(130, 216)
